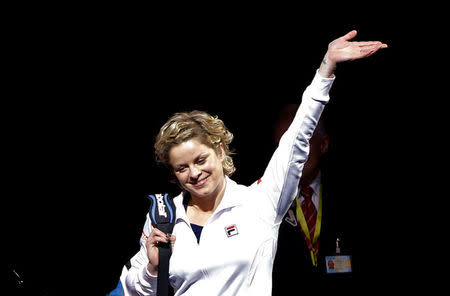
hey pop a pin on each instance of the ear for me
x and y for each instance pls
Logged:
(324, 143)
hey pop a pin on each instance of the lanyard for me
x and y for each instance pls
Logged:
(304, 226)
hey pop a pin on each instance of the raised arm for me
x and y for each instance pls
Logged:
(280, 180)
(342, 49)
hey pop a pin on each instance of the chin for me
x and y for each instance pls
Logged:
(201, 191)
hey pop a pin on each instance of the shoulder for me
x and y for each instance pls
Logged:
(241, 190)
(233, 185)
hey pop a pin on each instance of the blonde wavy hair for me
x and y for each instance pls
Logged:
(184, 126)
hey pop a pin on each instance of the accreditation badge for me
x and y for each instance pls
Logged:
(338, 263)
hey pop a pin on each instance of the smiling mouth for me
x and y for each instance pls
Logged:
(200, 183)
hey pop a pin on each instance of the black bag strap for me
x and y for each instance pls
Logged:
(162, 213)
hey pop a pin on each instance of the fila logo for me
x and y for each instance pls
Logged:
(231, 230)
(161, 205)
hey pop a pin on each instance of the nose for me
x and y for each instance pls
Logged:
(195, 173)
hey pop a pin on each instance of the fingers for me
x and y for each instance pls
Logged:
(172, 239)
(157, 236)
(371, 49)
(371, 43)
(350, 35)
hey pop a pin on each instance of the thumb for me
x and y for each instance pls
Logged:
(350, 35)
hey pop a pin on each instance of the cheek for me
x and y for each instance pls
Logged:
(214, 166)
(181, 177)
(208, 167)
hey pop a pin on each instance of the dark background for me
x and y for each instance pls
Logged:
(85, 104)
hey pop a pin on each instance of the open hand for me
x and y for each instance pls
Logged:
(343, 49)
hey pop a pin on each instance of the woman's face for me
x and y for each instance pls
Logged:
(198, 168)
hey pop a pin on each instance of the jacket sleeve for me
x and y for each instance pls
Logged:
(280, 180)
(135, 278)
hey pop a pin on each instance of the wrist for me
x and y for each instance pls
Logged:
(327, 67)
(152, 269)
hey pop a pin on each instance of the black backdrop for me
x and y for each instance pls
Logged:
(79, 128)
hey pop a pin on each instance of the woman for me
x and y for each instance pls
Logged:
(224, 238)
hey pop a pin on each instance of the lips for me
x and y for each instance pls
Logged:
(200, 183)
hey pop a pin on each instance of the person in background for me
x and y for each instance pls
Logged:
(313, 227)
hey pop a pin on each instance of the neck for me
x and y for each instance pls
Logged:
(306, 180)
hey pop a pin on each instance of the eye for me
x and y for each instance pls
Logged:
(201, 160)
(180, 169)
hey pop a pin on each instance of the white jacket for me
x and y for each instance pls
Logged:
(238, 243)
